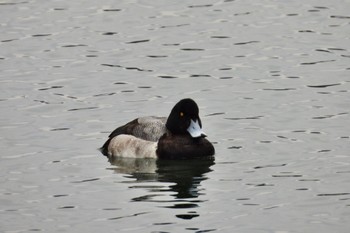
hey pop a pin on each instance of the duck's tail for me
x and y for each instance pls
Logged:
(104, 148)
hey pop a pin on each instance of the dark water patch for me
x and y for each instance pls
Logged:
(187, 216)
(292, 14)
(144, 87)
(271, 207)
(342, 172)
(42, 101)
(250, 204)
(226, 68)
(293, 77)
(199, 75)
(244, 118)
(260, 184)
(8, 40)
(306, 31)
(138, 41)
(157, 56)
(183, 206)
(228, 77)
(67, 96)
(171, 44)
(299, 131)
(127, 91)
(323, 85)
(59, 9)
(215, 114)
(316, 62)
(247, 42)
(347, 56)
(144, 198)
(337, 49)
(323, 50)
(60, 195)
(78, 109)
(73, 45)
(234, 147)
(91, 55)
(270, 165)
(104, 94)
(321, 7)
(127, 68)
(266, 141)
(41, 35)
(112, 10)
(340, 17)
(309, 179)
(48, 88)
(192, 49)
(315, 132)
(229, 163)
(138, 69)
(110, 65)
(67, 207)
(84, 181)
(244, 13)
(167, 76)
(220, 37)
(175, 26)
(128, 216)
(162, 223)
(203, 231)
(332, 194)
(323, 151)
(302, 189)
(60, 129)
(287, 175)
(330, 115)
(109, 33)
(279, 89)
(283, 137)
(314, 10)
(120, 83)
(111, 209)
(200, 6)
(243, 199)
(11, 3)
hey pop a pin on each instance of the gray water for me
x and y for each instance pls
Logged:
(271, 79)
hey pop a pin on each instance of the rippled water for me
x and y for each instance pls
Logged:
(272, 82)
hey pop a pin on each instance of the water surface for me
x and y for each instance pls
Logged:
(272, 82)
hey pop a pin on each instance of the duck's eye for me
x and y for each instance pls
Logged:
(181, 114)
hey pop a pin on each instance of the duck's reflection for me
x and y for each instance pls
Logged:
(166, 181)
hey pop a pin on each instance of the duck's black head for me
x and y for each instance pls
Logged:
(184, 119)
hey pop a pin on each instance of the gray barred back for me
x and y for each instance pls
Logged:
(150, 128)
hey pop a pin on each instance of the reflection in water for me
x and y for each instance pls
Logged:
(184, 177)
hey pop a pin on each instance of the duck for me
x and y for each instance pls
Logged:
(178, 136)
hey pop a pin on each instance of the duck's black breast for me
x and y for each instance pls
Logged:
(172, 146)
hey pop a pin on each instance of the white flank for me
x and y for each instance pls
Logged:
(129, 146)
